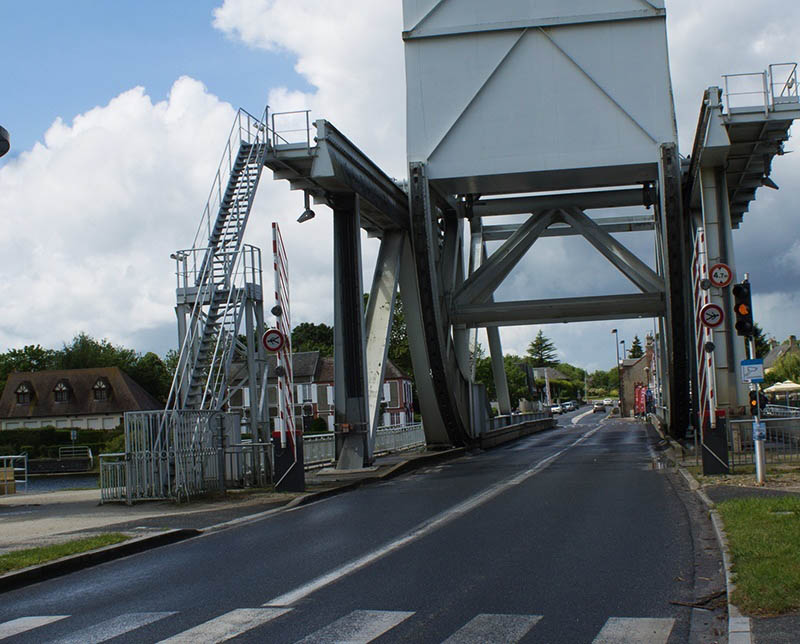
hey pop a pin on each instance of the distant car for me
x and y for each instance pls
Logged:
(556, 409)
(569, 406)
(598, 406)
(608, 401)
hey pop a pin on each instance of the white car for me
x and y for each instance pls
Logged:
(556, 409)
(608, 401)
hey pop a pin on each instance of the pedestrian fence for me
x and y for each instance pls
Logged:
(13, 473)
(781, 445)
(781, 411)
(178, 455)
(76, 451)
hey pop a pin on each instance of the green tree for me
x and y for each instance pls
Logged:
(636, 350)
(787, 367)
(85, 352)
(152, 374)
(762, 346)
(542, 352)
(399, 353)
(307, 336)
(515, 377)
(31, 357)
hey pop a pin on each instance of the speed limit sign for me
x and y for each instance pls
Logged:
(273, 340)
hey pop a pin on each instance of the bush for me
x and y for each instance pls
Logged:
(318, 426)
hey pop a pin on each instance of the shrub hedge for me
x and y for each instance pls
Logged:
(44, 442)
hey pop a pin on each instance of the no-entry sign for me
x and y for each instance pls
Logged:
(273, 340)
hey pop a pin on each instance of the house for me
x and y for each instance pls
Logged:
(778, 351)
(72, 398)
(637, 371)
(314, 393)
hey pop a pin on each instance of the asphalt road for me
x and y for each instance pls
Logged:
(565, 536)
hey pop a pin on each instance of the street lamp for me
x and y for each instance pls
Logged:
(622, 342)
(616, 344)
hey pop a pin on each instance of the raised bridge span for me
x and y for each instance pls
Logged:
(552, 111)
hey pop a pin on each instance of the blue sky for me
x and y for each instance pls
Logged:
(72, 55)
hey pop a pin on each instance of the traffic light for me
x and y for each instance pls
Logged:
(754, 403)
(743, 308)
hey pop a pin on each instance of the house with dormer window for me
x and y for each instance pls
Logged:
(73, 398)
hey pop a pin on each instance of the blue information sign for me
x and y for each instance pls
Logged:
(753, 370)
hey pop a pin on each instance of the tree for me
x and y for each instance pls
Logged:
(152, 374)
(307, 336)
(787, 367)
(31, 357)
(636, 350)
(542, 352)
(85, 352)
(399, 353)
(762, 346)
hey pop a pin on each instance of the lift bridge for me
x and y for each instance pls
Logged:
(549, 110)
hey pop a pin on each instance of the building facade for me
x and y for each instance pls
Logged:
(72, 398)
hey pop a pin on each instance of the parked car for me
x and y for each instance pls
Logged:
(608, 401)
(598, 406)
(556, 409)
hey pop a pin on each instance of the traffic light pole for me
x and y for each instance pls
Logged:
(758, 435)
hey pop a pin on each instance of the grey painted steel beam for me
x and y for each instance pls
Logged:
(633, 223)
(583, 200)
(350, 379)
(380, 309)
(573, 309)
(631, 266)
(481, 284)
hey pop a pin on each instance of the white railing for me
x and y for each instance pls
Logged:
(320, 449)
(114, 478)
(781, 411)
(13, 473)
(291, 128)
(76, 451)
(775, 86)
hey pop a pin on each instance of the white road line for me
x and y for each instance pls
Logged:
(493, 629)
(227, 626)
(423, 529)
(359, 627)
(113, 627)
(575, 420)
(644, 630)
(22, 624)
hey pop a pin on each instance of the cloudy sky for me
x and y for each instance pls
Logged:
(118, 112)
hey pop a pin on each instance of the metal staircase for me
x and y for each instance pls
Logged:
(218, 272)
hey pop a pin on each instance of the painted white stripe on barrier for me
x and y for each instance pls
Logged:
(227, 626)
(114, 627)
(421, 530)
(494, 629)
(359, 627)
(23, 624)
(644, 630)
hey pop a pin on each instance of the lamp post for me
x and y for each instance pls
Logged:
(616, 344)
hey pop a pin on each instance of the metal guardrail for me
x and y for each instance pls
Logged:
(76, 451)
(781, 411)
(501, 422)
(157, 463)
(777, 85)
(782, 443)
(13, 473)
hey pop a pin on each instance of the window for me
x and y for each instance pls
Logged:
(101, 389)
(24, 393)
(61, 391)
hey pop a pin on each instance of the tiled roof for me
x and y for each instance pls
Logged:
(125, 395)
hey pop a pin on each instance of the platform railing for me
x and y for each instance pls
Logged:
(777, 85)
(289, 128)
(783, 83)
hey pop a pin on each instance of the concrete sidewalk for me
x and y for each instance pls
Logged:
(31, 520)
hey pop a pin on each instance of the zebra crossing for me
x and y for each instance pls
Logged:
(357, 627)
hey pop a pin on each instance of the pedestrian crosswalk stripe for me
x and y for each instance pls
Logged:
(228, 625)
(492, 628)
(113, 627)
(645, 630)
(22, 624)
(359, 627)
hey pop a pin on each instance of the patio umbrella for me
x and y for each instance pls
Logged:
(786, 387)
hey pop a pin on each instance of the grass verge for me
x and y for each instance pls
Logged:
(764, 540)
(33, 556)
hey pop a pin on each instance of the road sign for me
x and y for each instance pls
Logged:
(273, 340)
(753, 370)
(711, 315)
(720, 275)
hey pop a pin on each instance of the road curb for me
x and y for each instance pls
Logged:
(739, 626)
(66, 565)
